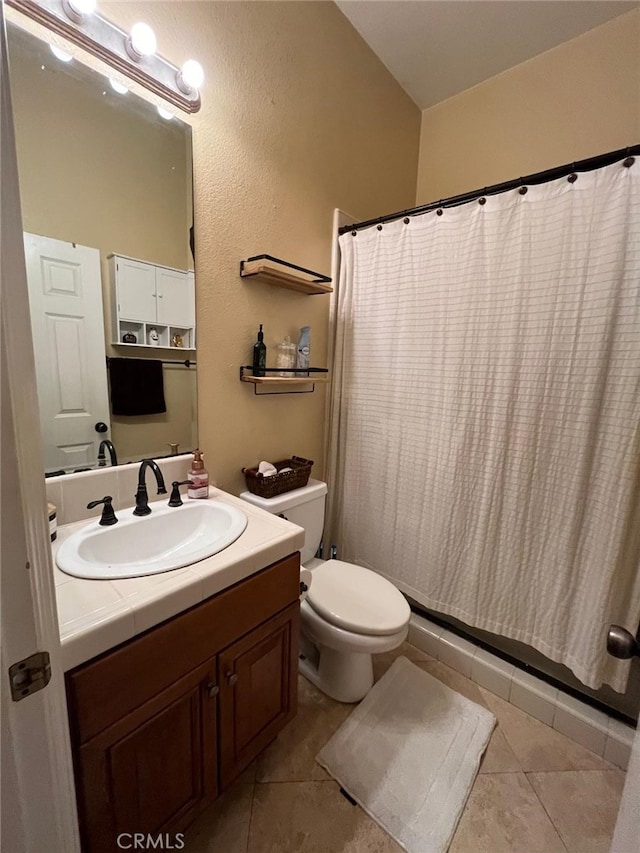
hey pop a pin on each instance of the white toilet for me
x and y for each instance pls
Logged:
(350, 612)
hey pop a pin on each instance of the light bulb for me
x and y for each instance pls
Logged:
(84, 7)
(62, 55)
(190, 77)
(117, 87)
(165, 114)
(141, 42)
(78, 10)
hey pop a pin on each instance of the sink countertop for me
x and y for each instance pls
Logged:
(96, 615)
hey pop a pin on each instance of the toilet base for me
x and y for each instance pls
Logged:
(344, 676)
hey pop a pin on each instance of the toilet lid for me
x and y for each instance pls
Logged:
(357, 599)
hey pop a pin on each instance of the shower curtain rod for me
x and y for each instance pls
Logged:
(537, 178)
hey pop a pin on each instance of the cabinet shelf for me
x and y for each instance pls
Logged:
(270, 270)
(148, 346)
(284, 384)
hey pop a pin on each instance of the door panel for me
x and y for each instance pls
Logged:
(175, 300)
(136, 283)
(154, 770)
(258, 694)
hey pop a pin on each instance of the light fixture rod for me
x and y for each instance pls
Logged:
(107, 42)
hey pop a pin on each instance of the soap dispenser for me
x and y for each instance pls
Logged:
(198, 477)
(259, 355)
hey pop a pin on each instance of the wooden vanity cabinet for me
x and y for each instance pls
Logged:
(168, 720)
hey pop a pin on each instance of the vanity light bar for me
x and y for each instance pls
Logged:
(128, 54)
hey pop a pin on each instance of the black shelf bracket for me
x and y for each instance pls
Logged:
(317, 278)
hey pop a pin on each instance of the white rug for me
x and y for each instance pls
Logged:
(409, 754)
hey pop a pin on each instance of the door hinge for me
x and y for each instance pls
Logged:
(29, 675)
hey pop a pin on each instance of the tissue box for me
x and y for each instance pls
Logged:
(277, 484)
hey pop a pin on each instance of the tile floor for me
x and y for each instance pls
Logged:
(536, 792)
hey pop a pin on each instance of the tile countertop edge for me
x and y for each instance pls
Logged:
(96, 615)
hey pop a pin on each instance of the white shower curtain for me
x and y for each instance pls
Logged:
(484, 424)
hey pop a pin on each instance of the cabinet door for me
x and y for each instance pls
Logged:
(258, 690)
(155, 769)
(136, 290)
(175, 298)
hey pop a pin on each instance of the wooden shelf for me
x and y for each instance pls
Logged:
(279, 273)
(283, 384)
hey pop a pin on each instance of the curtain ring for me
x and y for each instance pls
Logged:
(628, 162)
(572, 178)
(439, 211)
(523, 190)
(406, 220)
(379, 227)
(482, 200)
(354, 233)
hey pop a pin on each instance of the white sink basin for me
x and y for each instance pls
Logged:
(169, 538)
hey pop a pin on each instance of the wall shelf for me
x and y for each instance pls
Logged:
(283, 384)
(270, 270)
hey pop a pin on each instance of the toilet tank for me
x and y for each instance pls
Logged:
(304, 507)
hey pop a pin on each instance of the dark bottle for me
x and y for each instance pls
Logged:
(259, 355)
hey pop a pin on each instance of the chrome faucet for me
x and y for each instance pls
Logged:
(142, 498)
(112, 453)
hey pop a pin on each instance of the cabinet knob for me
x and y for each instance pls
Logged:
(213, 689)
(231, 678)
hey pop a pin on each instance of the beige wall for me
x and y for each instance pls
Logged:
(580, 99)
(98, 171)
(298, 118)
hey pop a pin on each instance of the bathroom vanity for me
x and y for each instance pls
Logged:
(162, 723)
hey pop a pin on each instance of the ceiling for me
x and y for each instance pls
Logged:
(437, 48)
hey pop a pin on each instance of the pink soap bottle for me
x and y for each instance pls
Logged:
(198, 477)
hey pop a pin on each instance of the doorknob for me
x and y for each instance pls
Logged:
(621, 643)
(101, 427)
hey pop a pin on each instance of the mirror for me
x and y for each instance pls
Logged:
(106, 193)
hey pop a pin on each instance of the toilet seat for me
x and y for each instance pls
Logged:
(357, 599)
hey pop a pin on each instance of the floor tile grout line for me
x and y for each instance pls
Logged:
(253, 795)
(577, 770)
(551, 820)
(499, 728)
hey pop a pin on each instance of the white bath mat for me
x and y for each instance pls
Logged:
(409, 754)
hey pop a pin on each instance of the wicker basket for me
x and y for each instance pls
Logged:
(277, 484)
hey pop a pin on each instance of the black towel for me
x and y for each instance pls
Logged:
(137, 386)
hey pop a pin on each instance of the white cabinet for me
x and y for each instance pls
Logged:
(145, 297)
(175, 298)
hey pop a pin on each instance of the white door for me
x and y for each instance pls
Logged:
(65, 295)
(136, 290)
(175, 299)
(37, 791)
